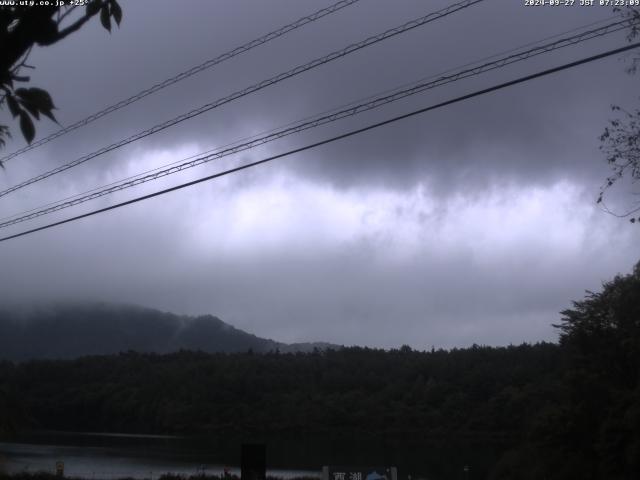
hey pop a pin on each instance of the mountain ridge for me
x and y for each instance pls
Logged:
(66, 330)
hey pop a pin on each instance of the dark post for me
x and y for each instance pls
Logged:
(254, 461)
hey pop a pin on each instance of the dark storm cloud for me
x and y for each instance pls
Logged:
(385, 283)
(533, 124)
(473, 223)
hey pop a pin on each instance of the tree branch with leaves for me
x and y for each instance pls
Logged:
(22, 28)
(620, 141)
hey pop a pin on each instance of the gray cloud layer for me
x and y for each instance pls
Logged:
(474, 223)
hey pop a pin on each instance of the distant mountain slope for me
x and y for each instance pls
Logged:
(69, 330)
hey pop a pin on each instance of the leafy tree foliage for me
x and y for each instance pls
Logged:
(602, 335)
(620, 140)
(591, 429)
(603, 330)
(621, 145)
(21, 28)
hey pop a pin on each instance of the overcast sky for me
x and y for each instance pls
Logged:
(475, 223)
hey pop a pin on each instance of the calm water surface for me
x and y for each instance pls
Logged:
(108, 456)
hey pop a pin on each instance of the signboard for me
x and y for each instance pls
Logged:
(253, 463)
(359, 473)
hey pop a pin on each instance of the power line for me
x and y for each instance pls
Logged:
(187, 73)
(335, 109)
(332, 110)
(254, 88)
(315, 122)
(335, 138)
(203, 158)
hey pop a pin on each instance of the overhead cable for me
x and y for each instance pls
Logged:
(254, 88)
(186, 74)
(197, 160)
(333, 139)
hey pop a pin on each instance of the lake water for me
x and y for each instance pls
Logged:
(109, 456)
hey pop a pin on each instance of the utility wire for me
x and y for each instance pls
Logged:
(221, 152)
(336, 138)
(187, 73)
(254, 88)
(332, 110)
(315, 122)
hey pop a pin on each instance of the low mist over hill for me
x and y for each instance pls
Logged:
(68, 330)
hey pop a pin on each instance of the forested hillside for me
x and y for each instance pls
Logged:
(477, 389)
(71, 330)
(479, 396)
(555, 411)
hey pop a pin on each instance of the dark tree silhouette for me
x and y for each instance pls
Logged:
(22, 28)
(602, 337)
(603, 330)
